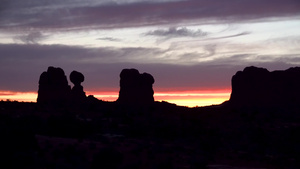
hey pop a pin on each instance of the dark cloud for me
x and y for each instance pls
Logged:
(230, 36)
(31, 38)
(21, 66)
(209, 37)
(109, 39)
(4, 93)
(174, 32)
(74, 54)
(48, 14)
(192, 58)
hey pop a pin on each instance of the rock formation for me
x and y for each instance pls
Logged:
(53, 87)
(135, 88)
(77, 93)
(258, 87)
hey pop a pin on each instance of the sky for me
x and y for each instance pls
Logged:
(191, 47)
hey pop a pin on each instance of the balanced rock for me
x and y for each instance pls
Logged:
(53, 87)
(135, 88)
(77, 93)
(258, 87)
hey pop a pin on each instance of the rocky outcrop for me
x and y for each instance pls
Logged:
(135, 88)
(258, 87)
(77, 93)
(53, 87)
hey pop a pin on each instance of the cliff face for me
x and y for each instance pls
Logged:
(258, 87)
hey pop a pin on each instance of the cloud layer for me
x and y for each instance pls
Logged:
(49, 14)
(21, 65)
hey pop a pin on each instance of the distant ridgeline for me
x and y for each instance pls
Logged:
(135, 88)
(258, 87)
(251, 87)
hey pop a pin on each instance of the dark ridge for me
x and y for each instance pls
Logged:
(257, 128)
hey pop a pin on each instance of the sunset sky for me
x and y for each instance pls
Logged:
(191, 47)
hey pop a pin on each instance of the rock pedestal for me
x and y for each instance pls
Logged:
(53, 87)
(135, 88)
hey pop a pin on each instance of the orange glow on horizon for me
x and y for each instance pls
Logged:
(194, 98)
(182, 98)
(18, 96)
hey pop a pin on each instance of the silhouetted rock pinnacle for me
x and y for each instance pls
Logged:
(77, 93)
(135, 87)
(259, 87)
(53, 86)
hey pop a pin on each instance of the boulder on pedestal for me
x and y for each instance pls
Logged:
(77, 93)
